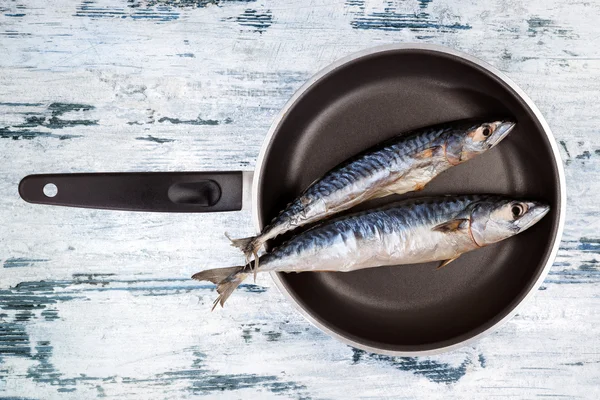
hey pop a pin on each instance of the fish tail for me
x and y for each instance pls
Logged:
(245, 244)
(250, 246)
(226, 279)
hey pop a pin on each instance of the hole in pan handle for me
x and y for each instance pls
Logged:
(146, 191)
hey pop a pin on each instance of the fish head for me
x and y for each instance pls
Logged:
(496, 219)
(472, 140)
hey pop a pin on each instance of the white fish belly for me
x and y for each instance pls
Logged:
(347, 253)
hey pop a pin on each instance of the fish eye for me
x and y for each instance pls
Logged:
(517, 210)
(486, 131)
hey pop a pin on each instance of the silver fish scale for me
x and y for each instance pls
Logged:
(396, 152)
(399, 150)
(366, 225)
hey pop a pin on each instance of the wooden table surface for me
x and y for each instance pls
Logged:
(99, 304)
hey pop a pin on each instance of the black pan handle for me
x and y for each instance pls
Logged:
(147, 191)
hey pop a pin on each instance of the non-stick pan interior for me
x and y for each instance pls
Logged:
(414, 307)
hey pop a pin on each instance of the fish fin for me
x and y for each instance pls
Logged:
(386, 192)
(452, 225)
(249, 245)
(427, 153)
(226, 279)
(419, 186)
(446, 262)
(381, 193)
(215, 275)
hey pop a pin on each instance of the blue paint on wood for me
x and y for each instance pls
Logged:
(590, 266)
(43, 370)
(259, 21)
(23, 316)
(14, 339)
(273, 336)
(197, 121)
(29, 300)
(434, 371)
(247, 332)
(54, 123)
(16, 398)
(150, 138)
(26, 134)
(164, 290)
(355, 3)
(32, 295)
(51, 118)
(134, 11)
(536, 22)
(391, 20)
(92, 279)
(19, 262)
(539, 26)
(584, 156)
(9, 104)
(250, 329)
(589, 245)
(188, 3)
(584, 274)
(226, 382)
(482, 360)
(564, 146)
(200, 382)
(176, 121)
(38, 295)
(252, 288)
(62, 108)
(14, 34)
(101, 392)
(204, 382)
(50, 314)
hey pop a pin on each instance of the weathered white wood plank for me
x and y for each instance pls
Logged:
(99, 304)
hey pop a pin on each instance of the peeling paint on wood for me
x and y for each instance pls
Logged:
(18, 262)
(91, 9)
(150, 138)
(53, 117)
(391, 18)
(99, 304)
(432, 370)
(259, 21)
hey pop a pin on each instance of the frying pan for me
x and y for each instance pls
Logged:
(349, 106)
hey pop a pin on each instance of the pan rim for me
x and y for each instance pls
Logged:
(447, 51)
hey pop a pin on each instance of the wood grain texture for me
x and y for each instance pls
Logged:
(98, 304)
